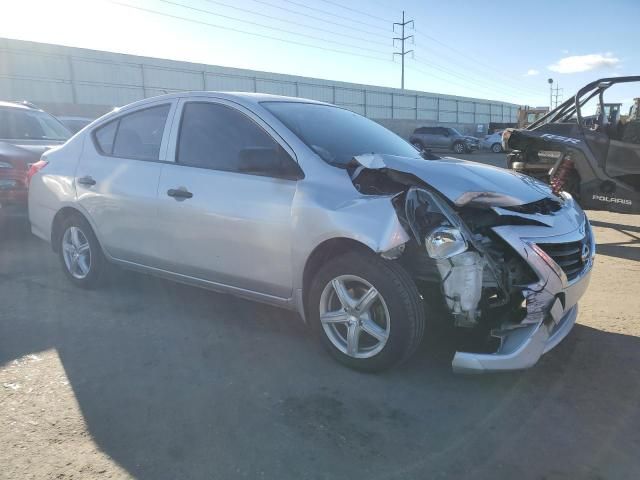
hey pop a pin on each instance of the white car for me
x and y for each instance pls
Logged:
(492, 142)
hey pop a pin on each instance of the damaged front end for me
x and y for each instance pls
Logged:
(507, 271)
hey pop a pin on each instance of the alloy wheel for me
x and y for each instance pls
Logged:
(354, 316)
(76, 252)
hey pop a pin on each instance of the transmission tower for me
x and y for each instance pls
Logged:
(402, 39)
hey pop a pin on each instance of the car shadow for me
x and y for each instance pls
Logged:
(178, 382)
(629, 249)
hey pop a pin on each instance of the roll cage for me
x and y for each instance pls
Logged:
(573, 105)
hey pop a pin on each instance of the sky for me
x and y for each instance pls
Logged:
(500, 50)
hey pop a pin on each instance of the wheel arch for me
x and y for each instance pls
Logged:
(61, 215)
(325, 250)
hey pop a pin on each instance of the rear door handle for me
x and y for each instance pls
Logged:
(87, 181)
(179, 193)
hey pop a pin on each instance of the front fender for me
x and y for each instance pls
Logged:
(369, 220)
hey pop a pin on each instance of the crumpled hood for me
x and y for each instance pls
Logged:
(463, 182)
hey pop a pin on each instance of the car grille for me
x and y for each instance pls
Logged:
(569, 256)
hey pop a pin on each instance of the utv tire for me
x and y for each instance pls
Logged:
(496, 148)
(459, 147)
(80, 253)
(384, 315)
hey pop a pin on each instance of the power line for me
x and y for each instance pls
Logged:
(466, 77)
(313, 17)
(271, 17)
(375, 17)
(459, 52)
(262, 25)
(523, 90)
(469, 67)
(384, 6)
(449, 81)
(237, 30)
(302, 5)
(403, 52)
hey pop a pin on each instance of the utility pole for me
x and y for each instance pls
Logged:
(550, 81)
(557, 96)
(402, 40)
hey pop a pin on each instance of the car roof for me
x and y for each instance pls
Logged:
(17, 105)
(243, 98)
(71, 117)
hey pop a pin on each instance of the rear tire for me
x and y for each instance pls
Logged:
(386, 331)
(80, 253)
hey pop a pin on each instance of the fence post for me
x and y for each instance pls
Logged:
(364, 94)
(72, 76)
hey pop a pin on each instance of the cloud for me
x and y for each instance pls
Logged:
(531, 72)
(584, 63)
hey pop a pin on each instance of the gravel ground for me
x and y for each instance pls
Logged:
(154, 380)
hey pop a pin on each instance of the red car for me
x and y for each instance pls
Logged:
(25, 133)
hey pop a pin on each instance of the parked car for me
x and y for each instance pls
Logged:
(493, 142)
(443, 138)
(75, 124)
(25, 133)
(311, 207)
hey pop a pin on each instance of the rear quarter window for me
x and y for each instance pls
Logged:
(137, 135)
(105, 135)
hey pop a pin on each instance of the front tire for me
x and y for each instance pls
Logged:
(80, 253)
(366, 310)
(459, 147)
(496, 148)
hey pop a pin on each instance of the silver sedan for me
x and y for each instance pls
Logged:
(311, 207)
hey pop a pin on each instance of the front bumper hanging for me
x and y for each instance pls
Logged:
(551, 305)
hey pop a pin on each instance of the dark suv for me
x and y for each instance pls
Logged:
(25, 133)
(443, 138)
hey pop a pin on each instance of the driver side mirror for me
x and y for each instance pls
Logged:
(268, 162)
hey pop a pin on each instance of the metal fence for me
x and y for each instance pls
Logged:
(79, 81)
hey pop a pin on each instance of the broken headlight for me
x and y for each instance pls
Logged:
(445, 242)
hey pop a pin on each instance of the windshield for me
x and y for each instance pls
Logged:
(453, 131)
(19, 124)
(336, 134)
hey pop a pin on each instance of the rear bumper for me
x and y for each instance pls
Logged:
(551, 304)
(13, 203)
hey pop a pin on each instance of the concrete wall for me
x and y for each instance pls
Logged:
(74, 81)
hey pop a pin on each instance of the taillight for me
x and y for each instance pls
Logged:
(35, 168)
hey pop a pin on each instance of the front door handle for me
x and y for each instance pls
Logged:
(179, 193)
(87, 181)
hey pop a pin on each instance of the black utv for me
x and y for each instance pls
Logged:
(594, 157)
